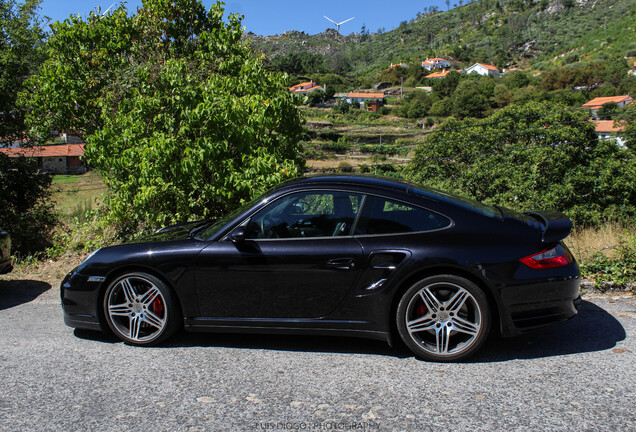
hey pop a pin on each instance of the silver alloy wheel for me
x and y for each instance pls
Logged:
(443, 319)
(136, 309)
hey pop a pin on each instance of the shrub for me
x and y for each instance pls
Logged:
(617, 268)
(27, 213)
(345, 166)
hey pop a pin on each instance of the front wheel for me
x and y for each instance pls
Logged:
(443, 318)
(140, 309)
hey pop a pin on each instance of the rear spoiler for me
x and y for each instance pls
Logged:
(555, 225)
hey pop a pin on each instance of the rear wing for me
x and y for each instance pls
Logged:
(555, 225)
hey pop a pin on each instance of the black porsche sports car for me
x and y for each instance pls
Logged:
(345, 255)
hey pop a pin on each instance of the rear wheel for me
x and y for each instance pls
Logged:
(140, 309)
(443, 318)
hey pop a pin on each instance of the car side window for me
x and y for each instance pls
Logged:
(306, 214)
(384, 216)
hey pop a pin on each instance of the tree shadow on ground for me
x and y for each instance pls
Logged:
(16, 292)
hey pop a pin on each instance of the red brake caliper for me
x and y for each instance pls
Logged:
(157, 306)
(420, 310)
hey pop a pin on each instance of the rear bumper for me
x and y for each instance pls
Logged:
(531, 306)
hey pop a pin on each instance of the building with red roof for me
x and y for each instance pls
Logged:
(598, 102)
(54, 159)
(435, 63)
(483, 69)
(305, 88)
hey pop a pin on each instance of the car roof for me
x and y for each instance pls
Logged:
(394, 185)
(349, 180)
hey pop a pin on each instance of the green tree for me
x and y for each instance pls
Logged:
(533, 156)
(180, 116)
(27, 213)
(469, 100)
(21, 52)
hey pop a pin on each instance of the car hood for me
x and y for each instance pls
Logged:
(169, 233)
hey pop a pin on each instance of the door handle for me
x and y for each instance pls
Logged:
(341, 264)
(384, 266)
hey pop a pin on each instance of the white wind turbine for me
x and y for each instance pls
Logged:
(338, 24)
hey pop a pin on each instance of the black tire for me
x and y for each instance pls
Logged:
(140, 309)
(443, 318)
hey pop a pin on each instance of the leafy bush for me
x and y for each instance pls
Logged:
(340, 146)
(180, 116)
(533, 156)
(343, 107)
(27, 213)
(345, 166)
(618, 268)
(389, 150)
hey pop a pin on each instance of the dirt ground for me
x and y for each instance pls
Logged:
(48, 272)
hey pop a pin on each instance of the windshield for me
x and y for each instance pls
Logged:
(221, 222)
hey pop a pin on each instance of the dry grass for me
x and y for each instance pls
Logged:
(75, 194)
(585, 242)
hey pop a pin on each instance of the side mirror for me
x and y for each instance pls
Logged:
(238, 235)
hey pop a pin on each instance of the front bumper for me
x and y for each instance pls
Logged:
(80, 302)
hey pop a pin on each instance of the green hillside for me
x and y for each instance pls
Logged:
(505, 33)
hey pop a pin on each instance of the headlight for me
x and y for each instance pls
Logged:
(89, 257)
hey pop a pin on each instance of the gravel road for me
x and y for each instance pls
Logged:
(579, 375)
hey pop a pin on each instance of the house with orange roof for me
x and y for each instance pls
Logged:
(376, 100)
(441, 74)
(598, 102)
(607, 129)
(395, 65)
(435, 63)
(483, 69)
(54, 159)
(305, 88)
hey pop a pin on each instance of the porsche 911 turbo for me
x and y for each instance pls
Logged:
(343, 255)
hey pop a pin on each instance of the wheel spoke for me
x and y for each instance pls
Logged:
(153, 320)
(121, 309)
(128, 290)
(457, 301)
(149, 296)
(442, 338)
(430, 301)
(465, 326)
(135, 326)
(420, 324)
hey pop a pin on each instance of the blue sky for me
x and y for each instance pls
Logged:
(267, 17)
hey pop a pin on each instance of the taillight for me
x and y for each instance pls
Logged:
(558, 256)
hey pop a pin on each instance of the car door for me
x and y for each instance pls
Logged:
(298, 260)
(388, 231)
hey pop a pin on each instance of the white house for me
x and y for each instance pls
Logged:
(605, 129)
(483, 69)
(435, 63)
(305, 88)
(598, 102)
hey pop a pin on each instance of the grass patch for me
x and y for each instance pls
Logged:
(76, 195)
(606, 255)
